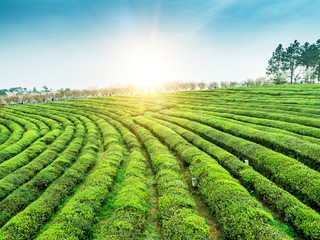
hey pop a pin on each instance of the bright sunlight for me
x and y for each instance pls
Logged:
(147, 62)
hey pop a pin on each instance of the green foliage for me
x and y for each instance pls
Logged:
(78, 216)
(277, 198)
(240, 215)
(285, 62)
(47, 150)
(174, 196)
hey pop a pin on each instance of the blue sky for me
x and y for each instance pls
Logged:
(80, 44)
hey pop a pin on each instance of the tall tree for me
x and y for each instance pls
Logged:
(292, 59)
(276, 66)
(317, 59)
(305, 56)
(308, 59)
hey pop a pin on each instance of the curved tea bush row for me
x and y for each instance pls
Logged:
(134, 108)
(27, 125)
(27, 223)
(240, 215)
(131, 204)
(304, 151)
(27, 193)
(311, 113)
(292, 127)
(292, 175)
(77, 217)
(39, 146)
(312, 122)
(29, 154)
(252, 116)
(267, 125)
(42, 126)
(16, 132)
(303, 218)
(179, 219)
(4, 133)
(268, 107)
(286, 108)
(29, 136)
(136, 210)
(34, 150)
(129, 138)
(296, 123)
(49, 120)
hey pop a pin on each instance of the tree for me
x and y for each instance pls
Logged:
(224, 84)
(1, 102)
(248, 82)
(233, 84)
(16, 89)
(213, 85)
(3, 92)
(201, 85)
(192, 85)
(276, 66)
(259, 81)
(292, 59)
(317, 59)
(34, 90)
(308, 59)
(46, 89)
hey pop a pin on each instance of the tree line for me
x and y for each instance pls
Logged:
(21, 90)
(295, 64)
(27, 97)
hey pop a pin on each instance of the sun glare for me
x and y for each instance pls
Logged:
(145, 63)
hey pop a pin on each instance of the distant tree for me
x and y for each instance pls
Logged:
(192, 85)
(176, 85)
(16, 89)
(3, 92)
(213, 85)
(172, 86)
(248, 82)
(224, 84)
(259, 81)
(34, 90)
(262, 81)
(201, 85)
(277, 66)
(233, 84)
(46, 89)
(292, 58)
(183, 86)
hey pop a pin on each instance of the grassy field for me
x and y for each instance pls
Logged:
(233, 163)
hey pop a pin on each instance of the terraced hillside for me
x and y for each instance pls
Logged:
(234, 163)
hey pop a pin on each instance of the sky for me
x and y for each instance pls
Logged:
(81, 44)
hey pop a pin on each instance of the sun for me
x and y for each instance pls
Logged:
(145, 62)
